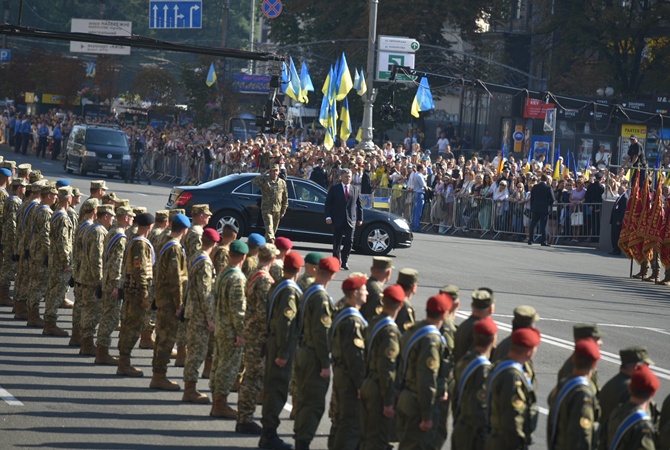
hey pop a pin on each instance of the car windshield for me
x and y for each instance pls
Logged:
(106, 137)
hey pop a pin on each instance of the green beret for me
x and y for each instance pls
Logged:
(586, 330)
(239, 247)
(482, 298)
(313, 258)
(634, 355)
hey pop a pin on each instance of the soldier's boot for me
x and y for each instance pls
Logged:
(294, 409)
(66, 304)
(251, 428)
(87, 346)
(34, 319)
(51, 329)
(220, 408)
(147, 339)
(301, 445)
(160, 381)
(261, 397)
(643, 270)
(21, 311)
(125, 369)
(75, 339)
(5, 299)
(207, 369)
(192, 395)
(236, 384)
(180, 361)
(665, 281)
(102, 356)
(270, 440)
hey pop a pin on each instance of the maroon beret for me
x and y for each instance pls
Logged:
(331, 264)
(644, 380)
(395, 292)
(283, 243)
(526, 337)
(439, 303)
(293, 260)
(211, 234)
(353, 283)
(587, 348)
(486, 327)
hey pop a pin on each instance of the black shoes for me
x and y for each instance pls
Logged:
(251, 428)
(545, 244)
(344, 267)
(270, 440)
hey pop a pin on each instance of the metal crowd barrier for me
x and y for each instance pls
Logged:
(473, 214)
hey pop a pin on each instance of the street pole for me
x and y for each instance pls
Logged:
(367, 144)
(251, 33)
(5, 5)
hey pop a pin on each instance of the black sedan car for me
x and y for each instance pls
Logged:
(234, 199)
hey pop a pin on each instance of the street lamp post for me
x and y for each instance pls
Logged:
(367, 144)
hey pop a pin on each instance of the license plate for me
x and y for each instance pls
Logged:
(108, 167)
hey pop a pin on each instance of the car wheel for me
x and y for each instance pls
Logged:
(66, 164)
(228, 217)
(82, 172)
(377, 239)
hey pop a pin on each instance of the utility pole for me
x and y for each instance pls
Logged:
(367, 143)
(252, 33)
(224, 35)
(5, 6)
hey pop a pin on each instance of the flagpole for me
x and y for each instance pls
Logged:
(367, 144)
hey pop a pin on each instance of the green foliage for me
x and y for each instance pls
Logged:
(157, 85)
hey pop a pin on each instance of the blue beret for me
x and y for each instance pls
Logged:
(256, 239)
(62, 183)
(182, 220)
(6, 172)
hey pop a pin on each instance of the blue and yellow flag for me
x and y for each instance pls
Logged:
(90, 69)
(345, 126)
(305, 83)
(293, 87)
(344, 82)
(423, 100)
(359, 83)
(557, 166)
(211, 76)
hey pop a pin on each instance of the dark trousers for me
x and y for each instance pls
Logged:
(342, 238)
(42, 146)
(56, 149)
(614, 234)
(25, 140)
(18, 137)
(540, 218)
(276, 383)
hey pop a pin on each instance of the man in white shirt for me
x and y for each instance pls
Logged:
(442, 144)
(418, 185)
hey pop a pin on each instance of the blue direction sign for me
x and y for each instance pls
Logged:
(517, 136)
(272, 8)
(175, 14)
(5, 55)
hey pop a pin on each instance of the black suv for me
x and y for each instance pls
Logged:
(96, 148)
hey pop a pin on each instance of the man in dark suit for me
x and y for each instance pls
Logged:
(616, 219)
(344, 211)
(541, 199)
(594, 199)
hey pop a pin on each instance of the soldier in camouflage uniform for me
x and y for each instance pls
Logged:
(257, 295)
(60, 262)
(380, 274)
(409, 280)
(313, 356)
(254, 241)
(348, 350)
(382, 341)
(10, 220)
(171, 278)
(5, 180)
(136, 279)
(156, 235)
(87, 212)
(220, 253)
(71, 210)
(93, 250)
(199, 314)
(38, 231)
(284, 245)
(200, 215)
(132, 230)
(96, 190)
(229, 311)
(274, 202)
(282, 328)
(115, 247)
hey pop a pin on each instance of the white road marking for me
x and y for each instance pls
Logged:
(48, 164)
(288, 407)
(611, 325)
(9, 398)
(143, 195)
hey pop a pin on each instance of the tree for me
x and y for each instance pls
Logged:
(155, 84)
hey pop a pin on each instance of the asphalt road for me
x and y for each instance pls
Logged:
(50, 397)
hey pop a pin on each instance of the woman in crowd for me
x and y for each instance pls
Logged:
(485, 192)
(501, 206)
(517, 203)
(552, 224)
(576, 210)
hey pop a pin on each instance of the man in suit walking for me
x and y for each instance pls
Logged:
(541, 199)
(344, 211)
(616, 219)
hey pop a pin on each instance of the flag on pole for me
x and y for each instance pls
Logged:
(344, 82)
(345, 127)
(423, 100)
(360, 86)
(566, 168)
(90, 69)
(557, 165)
(211, 76)
(284, 78)
(293, 87)
(628, 226)
(326, 82)
(305, 83)
(655, 223)
(638, 235)
(359, 134)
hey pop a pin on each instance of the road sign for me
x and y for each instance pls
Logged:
(104, 28)
(5, 55)
(397, 44)
(550, 120)
(272, 8)
(175, 14)
(518, 136)
(385, 61)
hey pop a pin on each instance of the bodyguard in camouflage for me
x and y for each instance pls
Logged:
(115, 247)
(282, 328)
(60, 262)
(92, 254)
(409, 280)
(170, 282)
(10, 219)
(348, 355)
(421, 349)
(255, 320)
(200, 215)
(469, 395)
(274, 201)
(199, 314)
(380, 274)
(313, 355)
(229, 310)
(378, 392)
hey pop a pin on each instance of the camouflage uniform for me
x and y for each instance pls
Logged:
(77, 270)
(277, 269)
(38, 245)
(156, 236)
(229, 310)
(304, 281)
(21, 248)
(169, 290)
(136, 278)
(220, 257)
(9, 236)
(199, 310)
(250, 265)
(60, 263)
(74, 217)
(274, 203)
(255, 320)
(192, 242)
(91, 277)
(115, 246)
(4, 195)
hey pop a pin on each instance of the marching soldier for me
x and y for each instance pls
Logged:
(583, 331)
(380, 274)
(9, 236)
(378, 390)
(282, 328)
(446, 382)
(483, 305)
(200, 215)
(229, 310)
(97, 190)
(311, 267)
(155, 238)
(274, 202)
(510, 398)
(222, 250)
(571, 423)
(171, 277)
(254, 241)
(71, 211)
(409, 280)
(469, 395)
(199, 314)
